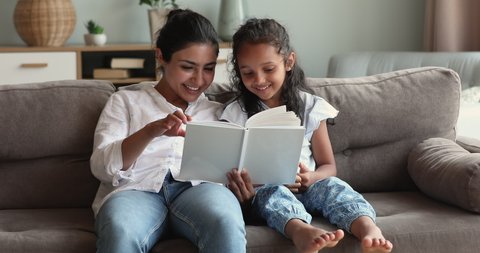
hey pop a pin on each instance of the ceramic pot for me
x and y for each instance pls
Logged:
(95, 39)
(232, 15)
(156, 19)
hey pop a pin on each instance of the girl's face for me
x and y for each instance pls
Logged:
(263, 71)
(188, 74)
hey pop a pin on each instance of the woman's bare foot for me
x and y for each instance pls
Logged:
(309, 239)
(371, 236)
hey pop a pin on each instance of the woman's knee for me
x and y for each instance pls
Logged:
(120, 223)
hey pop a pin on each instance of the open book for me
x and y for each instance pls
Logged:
(269, 147)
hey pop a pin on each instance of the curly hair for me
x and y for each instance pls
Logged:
(267, 31)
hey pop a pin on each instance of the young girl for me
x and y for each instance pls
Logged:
(138, 147)
(266, 75)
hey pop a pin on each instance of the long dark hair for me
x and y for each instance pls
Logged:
(268, 31)
(182, 28)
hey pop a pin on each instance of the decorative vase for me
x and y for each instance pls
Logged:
(44, 22)
(157, 18)
(95, 39)
(232, 14)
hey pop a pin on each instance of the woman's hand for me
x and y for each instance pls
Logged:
(240, 184)
(134, 145)
(170, 125)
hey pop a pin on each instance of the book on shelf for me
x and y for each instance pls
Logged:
(106, 73)
(127, 63)
(269, 147)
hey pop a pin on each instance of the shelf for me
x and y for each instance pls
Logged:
(89, 57)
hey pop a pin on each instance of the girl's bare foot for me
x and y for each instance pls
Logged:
(371, 236)
(309, 239)
(376, 245)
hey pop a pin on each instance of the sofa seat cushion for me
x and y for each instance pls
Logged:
(411, 220)
(443, 170)
(47, 230)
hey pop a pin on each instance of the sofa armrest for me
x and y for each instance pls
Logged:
(468, 143)
(445, 171)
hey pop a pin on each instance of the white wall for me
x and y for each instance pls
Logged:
(318, 28)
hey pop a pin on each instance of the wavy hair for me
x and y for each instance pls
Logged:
(267, 31)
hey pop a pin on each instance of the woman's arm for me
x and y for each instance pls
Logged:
(134, 144)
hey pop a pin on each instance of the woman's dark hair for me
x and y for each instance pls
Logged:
(268, 31)
(182, 28)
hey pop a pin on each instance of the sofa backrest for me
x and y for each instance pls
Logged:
(466, 64)
(46, 135)
(382, 117)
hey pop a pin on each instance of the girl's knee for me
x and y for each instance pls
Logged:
(271, 190)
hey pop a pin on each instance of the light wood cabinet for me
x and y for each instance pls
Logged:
(38, 64)
(37, 67)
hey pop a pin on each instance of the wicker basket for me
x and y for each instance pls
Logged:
(44, 22)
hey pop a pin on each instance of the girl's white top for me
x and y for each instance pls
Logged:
(316, 110)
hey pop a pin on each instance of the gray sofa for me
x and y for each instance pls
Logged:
(394, 141)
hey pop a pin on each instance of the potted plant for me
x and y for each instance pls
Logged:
(95, 35)
(157, 14)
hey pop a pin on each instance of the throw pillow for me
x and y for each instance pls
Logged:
(445, 171)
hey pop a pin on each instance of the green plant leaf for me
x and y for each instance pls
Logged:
(93, 27)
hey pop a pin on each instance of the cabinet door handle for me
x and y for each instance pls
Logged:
(34, 65)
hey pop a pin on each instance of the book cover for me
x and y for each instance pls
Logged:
(127, 63)
(105, 73)
(269, 146)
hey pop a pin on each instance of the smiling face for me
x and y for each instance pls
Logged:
(188, 74)
(263, 71)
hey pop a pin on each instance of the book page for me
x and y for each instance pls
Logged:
(210, 151)
(277, 116)
(272, 154)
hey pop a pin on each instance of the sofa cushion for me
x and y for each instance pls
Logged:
(47, 230)
(61, 114)
(445, 171)
(398, 215)
(382, 117)
(47, 139)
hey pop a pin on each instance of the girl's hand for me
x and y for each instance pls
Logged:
(170, 125)
(295, 187)
(306, 176)
(241, 185)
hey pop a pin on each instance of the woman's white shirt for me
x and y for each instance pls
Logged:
(125, 113)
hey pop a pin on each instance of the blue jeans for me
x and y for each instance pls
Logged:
(331, 197)
(208, 215)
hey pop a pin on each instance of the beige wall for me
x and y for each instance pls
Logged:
(318, 28)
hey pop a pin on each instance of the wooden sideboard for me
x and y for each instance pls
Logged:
(37, 64)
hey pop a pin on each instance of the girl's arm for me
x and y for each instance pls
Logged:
(323, 156)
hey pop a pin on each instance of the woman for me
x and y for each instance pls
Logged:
(138, 148)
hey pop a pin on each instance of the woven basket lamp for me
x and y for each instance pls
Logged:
(44, 22)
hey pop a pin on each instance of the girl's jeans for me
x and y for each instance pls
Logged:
(208, 215)
(330, 197)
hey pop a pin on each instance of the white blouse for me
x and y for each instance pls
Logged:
(316, 110)
(125, 113)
